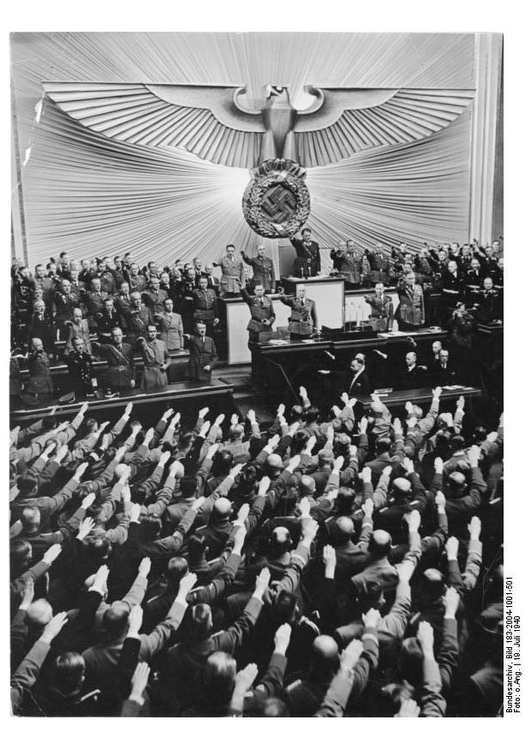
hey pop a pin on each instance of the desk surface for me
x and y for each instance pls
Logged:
(424, 334)
(181, 391)
(422, 395)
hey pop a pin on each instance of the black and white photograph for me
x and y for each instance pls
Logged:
(256, 375)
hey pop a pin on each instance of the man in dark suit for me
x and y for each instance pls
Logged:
(203, 355)
(452, 286)
(412, 374)
(308, 261)
(443, 371)
(356, 379)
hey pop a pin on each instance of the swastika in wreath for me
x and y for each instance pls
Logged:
(276, 202)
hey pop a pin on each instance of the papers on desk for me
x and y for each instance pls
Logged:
(308, 341)
(457, 388)
(277, 342)
(393, 334)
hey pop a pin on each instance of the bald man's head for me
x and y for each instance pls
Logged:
(325, 654)
(120, 470)
(274, 461)
(39, 613)
(307, 485)
(280, 541)
(380, 543)
(401, 487)
(341, 530)
(222, 508)
(457, 483)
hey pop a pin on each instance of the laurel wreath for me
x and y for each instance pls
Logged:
(252, 203)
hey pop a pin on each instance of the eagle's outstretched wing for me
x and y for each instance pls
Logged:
(202, 119)
(346, 121)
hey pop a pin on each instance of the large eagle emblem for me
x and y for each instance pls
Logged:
(276, 141)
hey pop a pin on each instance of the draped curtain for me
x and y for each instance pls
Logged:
(89, 195)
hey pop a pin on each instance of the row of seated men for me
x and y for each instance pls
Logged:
(330, 565)
(404, 369)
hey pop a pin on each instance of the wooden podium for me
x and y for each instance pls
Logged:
(328, 293)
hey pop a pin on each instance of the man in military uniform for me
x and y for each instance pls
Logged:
(41, 327)
(107, 320)
(232, 273)
(303, 318)
(95, 301)
(122, 301)
(78, 327)
(64, 303)
(354, 266)
(262, 313)
(203, 355)
(489, 308)
(119, 356)
(263, 270)
(80, 369)
(381, 265)
(138, 318)
(410, 312)
(40, 378)
(205, 305)
(154, 296)
(156, 360)
(381, 315)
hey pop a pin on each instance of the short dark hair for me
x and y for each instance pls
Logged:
(222, 462)
(96, 548)
(188, 486)
(285, 606)
(19, 551)
(67, 672)
(219, 674)
(27, 486)
(116, 619)
(383, 445)
(457, 443)
(177, 568)
(312, 414)
(201, 616)
(151, 526)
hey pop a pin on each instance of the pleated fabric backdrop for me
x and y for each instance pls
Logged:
(90, 195)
